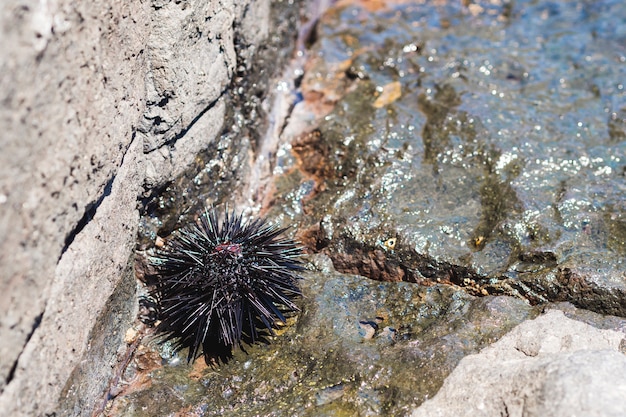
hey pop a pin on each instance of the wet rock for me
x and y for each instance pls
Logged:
(491, 157)
(359, 346)
(462, 147)
(549, 366)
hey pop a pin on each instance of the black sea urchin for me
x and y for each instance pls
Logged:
(219, 282)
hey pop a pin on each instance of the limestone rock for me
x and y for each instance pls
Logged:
(550, 366)
(99, 102)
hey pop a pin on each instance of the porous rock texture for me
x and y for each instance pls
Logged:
(100, 102)
(550, 366)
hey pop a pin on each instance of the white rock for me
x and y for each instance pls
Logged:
(551, 366)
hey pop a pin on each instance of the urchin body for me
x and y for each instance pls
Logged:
(219, 281)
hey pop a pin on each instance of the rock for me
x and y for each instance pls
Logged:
(359, 347)
(72, 89)
(473, 150)
(549, 366)
(497, 164)
(99, 104)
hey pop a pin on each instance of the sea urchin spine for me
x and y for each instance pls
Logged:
(219, 282)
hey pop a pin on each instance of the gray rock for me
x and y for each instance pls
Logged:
(550, 366)
(71, 91)
(83, 86)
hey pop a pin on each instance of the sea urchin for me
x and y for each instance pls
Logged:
(219, 282)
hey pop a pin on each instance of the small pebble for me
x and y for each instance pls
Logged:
(367, 329)
(130, 336)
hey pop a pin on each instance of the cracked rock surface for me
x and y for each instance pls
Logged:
(454, 169)
(101, 104)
